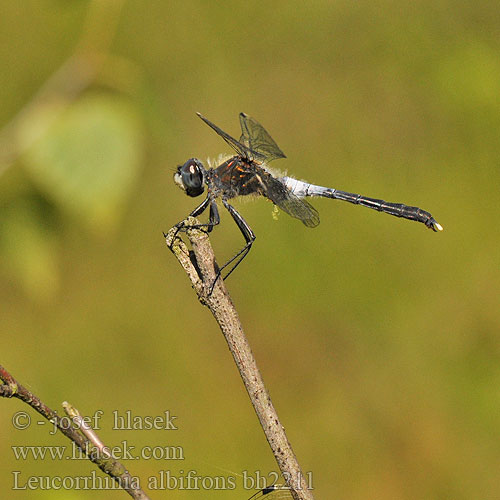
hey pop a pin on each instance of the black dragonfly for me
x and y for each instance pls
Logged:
(246, 173)
(273, 492)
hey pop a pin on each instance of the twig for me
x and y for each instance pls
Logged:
(200, 267)
(86, 430)
(91, 447)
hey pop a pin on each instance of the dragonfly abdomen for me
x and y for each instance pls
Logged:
(302, 189)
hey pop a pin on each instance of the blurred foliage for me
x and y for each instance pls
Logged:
(378, 339)
(87, 159)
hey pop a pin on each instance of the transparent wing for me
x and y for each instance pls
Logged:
(273, 492)
(242, 149)
(255, 137)
(281, 196)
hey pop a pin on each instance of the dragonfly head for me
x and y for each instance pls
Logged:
(189, 177)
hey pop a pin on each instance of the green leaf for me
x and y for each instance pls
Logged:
(28, 250)
(85, 156)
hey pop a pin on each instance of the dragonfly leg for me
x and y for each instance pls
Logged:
(214, 218)
(249, 238)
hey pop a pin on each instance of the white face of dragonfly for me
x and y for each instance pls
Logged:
(189, 177)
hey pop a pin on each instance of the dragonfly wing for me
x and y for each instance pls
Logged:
(236, 145)
(255, 137)
(282, 197)
(273, 492)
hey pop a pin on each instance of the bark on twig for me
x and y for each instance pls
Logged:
(11, 388)
(200, 267)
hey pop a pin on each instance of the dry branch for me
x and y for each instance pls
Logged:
(200, 266)
(11, 388)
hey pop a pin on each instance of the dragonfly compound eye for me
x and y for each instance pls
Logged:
(191, 176)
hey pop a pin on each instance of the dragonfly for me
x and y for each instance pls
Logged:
(273, 492)
(247, 173)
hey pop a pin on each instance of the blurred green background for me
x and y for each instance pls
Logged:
(378, 339)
